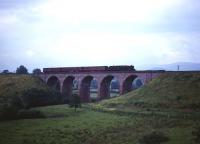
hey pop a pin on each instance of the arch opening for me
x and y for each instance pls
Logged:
(128, 84)
(109, 87)
(87, 85)
(137, 83)
(54, 83)
(75, 87)
(114, 87)
(93, 90)
(67, 88)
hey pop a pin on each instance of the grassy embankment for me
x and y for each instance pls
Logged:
(169, 94)
(174, 94)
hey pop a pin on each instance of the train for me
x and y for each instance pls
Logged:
(89, 69)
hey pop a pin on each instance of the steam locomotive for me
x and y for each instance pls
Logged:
(89, 69)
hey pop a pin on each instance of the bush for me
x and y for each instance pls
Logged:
(75, 101)
(10, 108)
(28, 114)
(11, 105)
(40, 97)
(139, 103)
(93, 99)
(8, 112)
(154, 138)
(196, 134)
(178, 98)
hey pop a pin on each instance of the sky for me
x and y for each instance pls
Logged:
(62, 33)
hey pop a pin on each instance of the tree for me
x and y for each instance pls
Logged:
(36, 71)
(75, 101)
(5, 72)
(21, 70)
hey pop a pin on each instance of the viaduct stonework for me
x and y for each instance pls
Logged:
(62, 79)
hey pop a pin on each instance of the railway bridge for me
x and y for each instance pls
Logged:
(62, 79)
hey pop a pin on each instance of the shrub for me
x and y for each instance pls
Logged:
(178, 98)
(153, 138)
(10, 108)
(28, 114)
(11, 105)
(139, 103)
(93, 99)
(196, 134)
(8, 112)
(75, 101)
(39, 97)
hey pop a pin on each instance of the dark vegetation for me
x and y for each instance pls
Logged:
(5, 72)
(75, 101)
(22, 70)
(196, 133)
(154, 138)
(19, 92)
(36, 71)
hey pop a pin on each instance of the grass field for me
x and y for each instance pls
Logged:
(166, 111)
(63, 126)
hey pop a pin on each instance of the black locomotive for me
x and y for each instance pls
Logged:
(89, 69)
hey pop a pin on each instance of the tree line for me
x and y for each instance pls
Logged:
(22, 70)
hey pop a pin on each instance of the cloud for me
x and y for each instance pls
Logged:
(72, 33)
(13, 4)
(109, 49)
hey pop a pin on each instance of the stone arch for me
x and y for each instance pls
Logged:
(127, 84)
(105, 87)
(84, 91)
(67, 88)
(54, 83)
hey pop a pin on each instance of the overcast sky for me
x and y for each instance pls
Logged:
(58, 33)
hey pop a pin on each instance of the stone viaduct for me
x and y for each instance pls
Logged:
(62, 79)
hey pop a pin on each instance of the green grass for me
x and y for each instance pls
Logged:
(62, 125)
(13, 84)
(170, 91)
(168, 105)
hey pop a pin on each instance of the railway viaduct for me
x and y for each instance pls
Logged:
(62, 79)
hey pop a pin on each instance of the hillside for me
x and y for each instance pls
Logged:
(16, 84)
(22, 92)
(169, 91)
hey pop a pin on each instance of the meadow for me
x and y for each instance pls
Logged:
(62, 125)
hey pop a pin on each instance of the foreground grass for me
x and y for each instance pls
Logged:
(63, 126)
